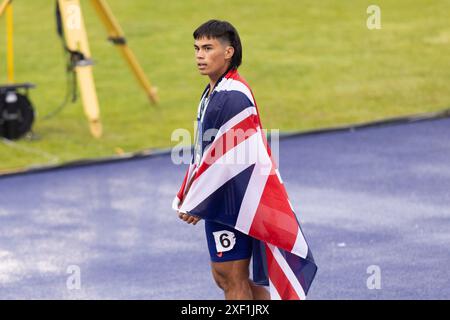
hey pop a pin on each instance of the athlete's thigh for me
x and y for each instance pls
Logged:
(226, 243)
(231, 271)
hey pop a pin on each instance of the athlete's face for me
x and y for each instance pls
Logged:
(212, 56)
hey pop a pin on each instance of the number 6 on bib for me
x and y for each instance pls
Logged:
(225, 240)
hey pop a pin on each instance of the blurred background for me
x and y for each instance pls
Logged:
(310, 64)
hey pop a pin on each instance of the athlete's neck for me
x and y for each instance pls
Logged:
(213, 78)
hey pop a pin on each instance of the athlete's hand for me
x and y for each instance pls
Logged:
(188, 218)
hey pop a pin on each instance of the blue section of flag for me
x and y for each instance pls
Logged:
(304, 270)
(260, 269)
(222, 106)
(223, 204)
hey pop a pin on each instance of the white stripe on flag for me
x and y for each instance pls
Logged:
(235, 85)
(176, 203)
(235, 120)
(279, 176)
(288, 271)
(219, 173)
(300, 246)
(255, 188)
(290, 205)
(273, 292)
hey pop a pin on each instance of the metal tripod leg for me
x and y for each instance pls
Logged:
(3, 6)
(116, 35)
(7, 7)
(77, 41)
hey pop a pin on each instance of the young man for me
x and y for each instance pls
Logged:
(218, 55)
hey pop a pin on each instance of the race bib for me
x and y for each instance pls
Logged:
(225, 240)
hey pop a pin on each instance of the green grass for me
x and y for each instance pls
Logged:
(311, 64)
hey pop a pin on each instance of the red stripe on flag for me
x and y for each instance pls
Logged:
(233, 74)
(274, 221)
(228, 141)
(279, 279)
(180, 193)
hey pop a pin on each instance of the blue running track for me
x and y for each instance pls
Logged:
(377, 196)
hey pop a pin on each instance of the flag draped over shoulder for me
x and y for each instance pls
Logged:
(237, 183)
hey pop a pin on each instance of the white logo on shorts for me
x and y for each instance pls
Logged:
(225, 240)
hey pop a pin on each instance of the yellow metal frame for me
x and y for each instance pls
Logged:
(116, 33)
(77, 41)
(3, 6)
(6, 7)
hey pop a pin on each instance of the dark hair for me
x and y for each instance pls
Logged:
(223, 31)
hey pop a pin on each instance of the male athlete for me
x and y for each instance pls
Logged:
(218, 54)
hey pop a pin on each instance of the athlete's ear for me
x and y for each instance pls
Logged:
(229, 51)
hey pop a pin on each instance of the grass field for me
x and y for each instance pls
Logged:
(310, 64)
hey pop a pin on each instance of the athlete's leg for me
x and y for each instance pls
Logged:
(233, 278)
(230, 252)
(259, 292)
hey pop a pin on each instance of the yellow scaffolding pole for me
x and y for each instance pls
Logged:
(117, 36)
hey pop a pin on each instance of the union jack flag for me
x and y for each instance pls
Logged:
(237, 183)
